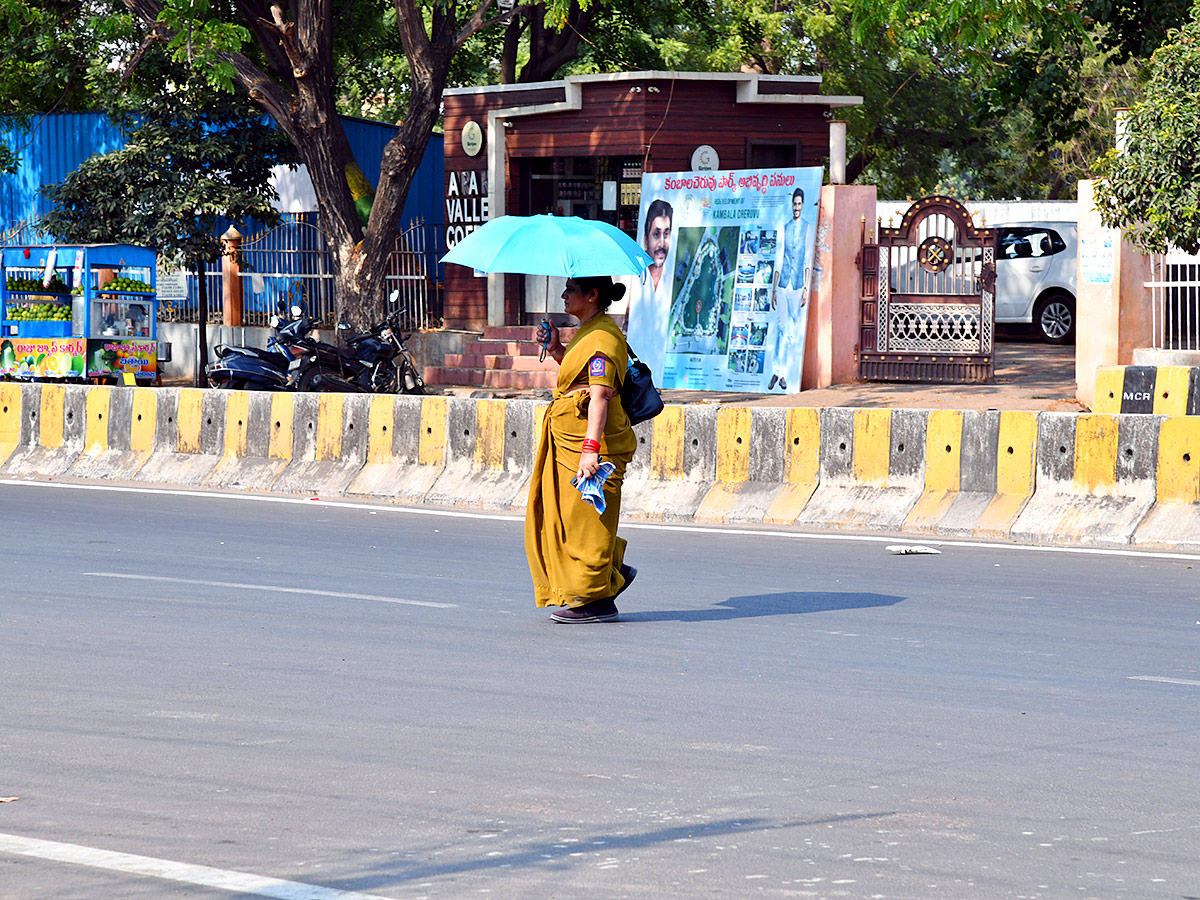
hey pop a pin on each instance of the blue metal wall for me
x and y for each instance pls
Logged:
(60, 142)
(57, 145)
(367, 140)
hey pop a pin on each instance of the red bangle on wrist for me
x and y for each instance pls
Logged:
(590, 446)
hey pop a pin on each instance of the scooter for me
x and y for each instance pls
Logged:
(241, 368)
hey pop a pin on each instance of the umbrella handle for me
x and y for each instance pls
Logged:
(546, 342)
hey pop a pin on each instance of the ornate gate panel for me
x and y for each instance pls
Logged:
(928, 299)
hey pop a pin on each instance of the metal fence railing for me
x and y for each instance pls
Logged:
(1175, 300)
(413, 276)
(292, 263)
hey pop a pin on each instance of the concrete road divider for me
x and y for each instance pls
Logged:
(1095, 479)
(118, 434)
(669, 482)
(979, 472)
(750, 461)
(872, 463)
(1173, 523)
(256, 440)
(406, 438)
(1058, 478)
(53, 419)
(489, 454)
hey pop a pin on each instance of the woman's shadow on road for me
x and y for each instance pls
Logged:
(787, 603)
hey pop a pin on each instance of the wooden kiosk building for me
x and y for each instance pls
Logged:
(579, 147)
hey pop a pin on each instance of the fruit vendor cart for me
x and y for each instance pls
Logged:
(76, 311)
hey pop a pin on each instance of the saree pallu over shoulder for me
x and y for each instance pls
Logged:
(598, 336)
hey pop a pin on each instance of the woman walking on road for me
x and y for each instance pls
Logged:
(575, 556)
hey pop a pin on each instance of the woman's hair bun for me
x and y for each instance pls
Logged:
(608, 291)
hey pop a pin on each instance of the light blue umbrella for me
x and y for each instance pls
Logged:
(550, 245)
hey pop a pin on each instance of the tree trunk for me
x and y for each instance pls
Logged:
(200, 378)
(510, 48)
(299, 95)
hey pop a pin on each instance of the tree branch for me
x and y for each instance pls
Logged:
(476, 23)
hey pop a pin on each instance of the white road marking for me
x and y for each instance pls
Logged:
(1163, 680)
(186, 873)
(270, 588)
(648, 526)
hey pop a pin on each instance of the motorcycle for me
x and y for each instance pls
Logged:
(376, 361)
(242, 367)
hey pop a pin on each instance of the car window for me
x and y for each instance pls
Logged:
(1027, 242)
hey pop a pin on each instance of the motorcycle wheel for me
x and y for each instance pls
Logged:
(385, 383)
(305, 382)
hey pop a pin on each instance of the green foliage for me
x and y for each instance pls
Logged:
(1153, 189)
(200, 33)
(194, 158)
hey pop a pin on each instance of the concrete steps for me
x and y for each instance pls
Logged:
(505, 357)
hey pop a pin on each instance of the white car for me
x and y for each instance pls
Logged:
(1035, 278)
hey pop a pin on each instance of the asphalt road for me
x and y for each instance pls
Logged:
(365, 700)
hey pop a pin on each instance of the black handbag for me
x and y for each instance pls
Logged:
(639, 396)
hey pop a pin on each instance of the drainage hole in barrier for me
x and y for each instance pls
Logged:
(239, 422)
(1166, 394)
(6, 409)
(310, 426)
(466, 432)
(99, 416)
(1129, 453)
(208, 421)
(641, 440)
(429, 431)
(278, 425)
(512, 434)
(695, 443)
(1187, 457)
(351, 427)
(795, 442)
(900, 448)
(842, 446)
(139, 417)
(1062, 450)
(739, 440)
(170, 419)
(1111, 395)
(1010, 451)
(385, 429)
(948, 448)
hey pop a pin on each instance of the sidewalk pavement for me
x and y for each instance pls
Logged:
(1029, 376)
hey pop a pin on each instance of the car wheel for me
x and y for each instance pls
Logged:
(1054, 318)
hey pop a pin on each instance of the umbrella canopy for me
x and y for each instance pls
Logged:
(550, 245)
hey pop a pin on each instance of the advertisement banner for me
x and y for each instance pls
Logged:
(112, 357)
(725, 305)
(42, 357)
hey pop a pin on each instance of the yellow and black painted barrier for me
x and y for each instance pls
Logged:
(1161, 390)
(1061, 478)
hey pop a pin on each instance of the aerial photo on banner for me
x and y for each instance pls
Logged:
(724, 307)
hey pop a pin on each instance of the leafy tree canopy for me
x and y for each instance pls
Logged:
(195, 158)
(1153, 189)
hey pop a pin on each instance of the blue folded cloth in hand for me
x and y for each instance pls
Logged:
(592, 487)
